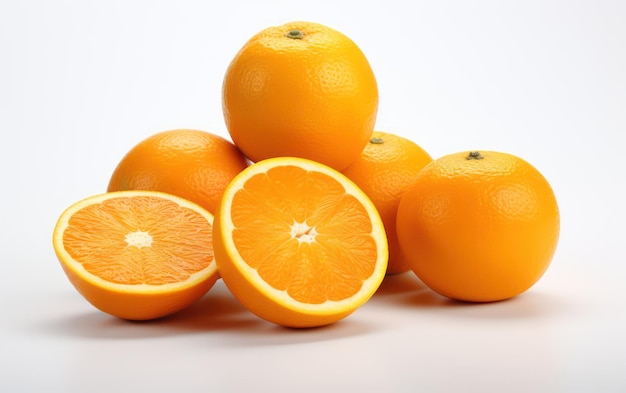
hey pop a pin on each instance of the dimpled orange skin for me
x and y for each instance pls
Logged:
(386, 168)
(192, 164)
(479, 230)
(313, 95)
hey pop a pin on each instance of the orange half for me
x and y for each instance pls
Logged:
(298, 243)
(137, 254)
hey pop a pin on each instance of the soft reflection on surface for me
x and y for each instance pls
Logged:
(402, 300)
(217, 312)
(407, 291)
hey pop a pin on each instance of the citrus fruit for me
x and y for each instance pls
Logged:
(479, 226)
(193, 164)
(386, 168)
(298, 243)
(137, 255)
(300, 89)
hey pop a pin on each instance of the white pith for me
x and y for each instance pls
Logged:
(138, 239)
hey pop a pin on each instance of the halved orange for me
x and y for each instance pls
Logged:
(298, 243)
(137, 255)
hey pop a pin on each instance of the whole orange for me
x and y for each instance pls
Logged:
(385, 170)
(479, 226)
(301, 89)
(192, 164)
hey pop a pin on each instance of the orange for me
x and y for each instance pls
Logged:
(479, 226)
(387, 167)
(301, 89)
(298, 243)
(137, 254)
(193, 164)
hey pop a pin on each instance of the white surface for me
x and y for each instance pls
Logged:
(81, 82)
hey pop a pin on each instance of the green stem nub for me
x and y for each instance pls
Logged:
(295, 35)
(377, 141)
(474, 155)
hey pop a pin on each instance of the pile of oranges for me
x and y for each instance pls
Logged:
(306, 211)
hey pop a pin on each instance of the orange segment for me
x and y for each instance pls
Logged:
(298, 243)
(137, 254)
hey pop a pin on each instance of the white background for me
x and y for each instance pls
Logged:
(81, 82)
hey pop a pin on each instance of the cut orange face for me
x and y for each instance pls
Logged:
(137, 255)
(298, 243)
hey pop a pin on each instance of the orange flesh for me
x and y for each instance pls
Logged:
(304, 234)
(139, 240)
